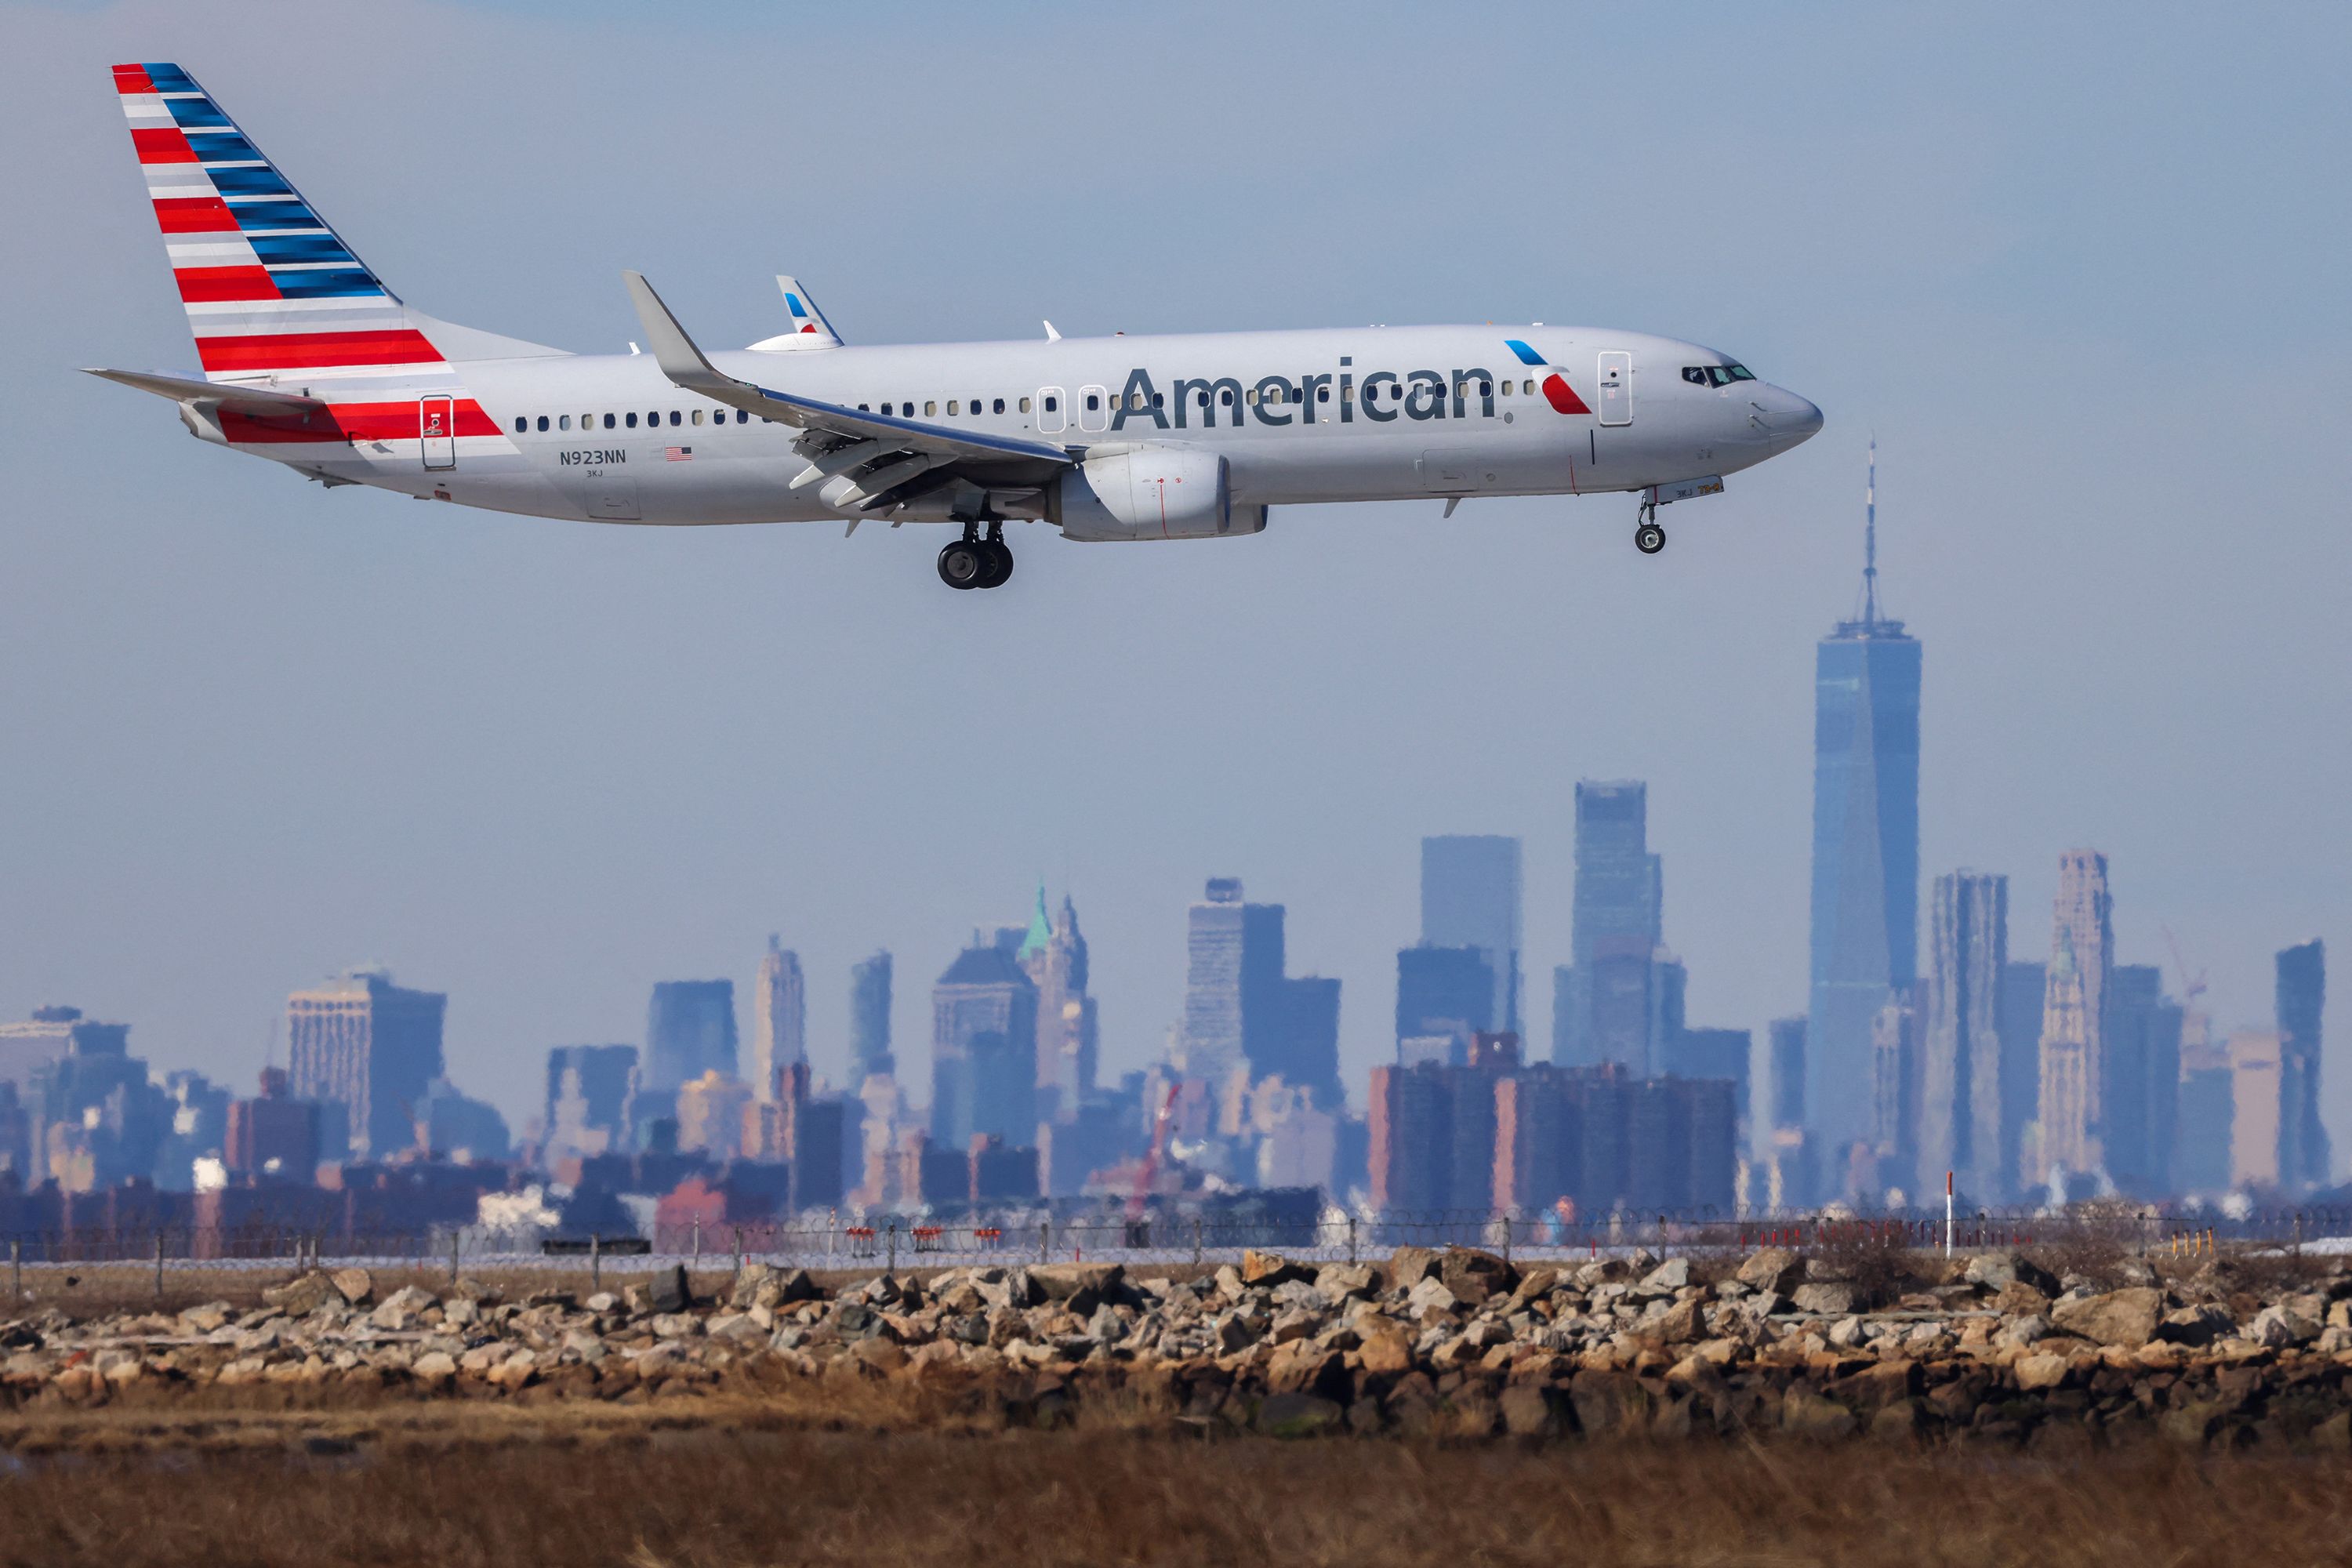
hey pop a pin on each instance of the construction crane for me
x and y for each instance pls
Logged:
(1148, 1171)
(2191, 987)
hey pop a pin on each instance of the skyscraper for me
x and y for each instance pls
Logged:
(983, 1050)
(1240, 1008)
(1311, 1010)
(689, 1030)
(1866, 881)
(1960, 1101)
(1470, 898)
(869, 1019)
(1618, 899)
(587, 1101)
(1785, 1044)
(2256, 1104)
(2074, 1066)
(1053, 954)
(1217, 936)
(779, 1018)
(1444, 990)
(2301, 997)
(2142, 1079)
(2200, 1158)
(2022, 986)
(368, 1047)
(1894, 1091)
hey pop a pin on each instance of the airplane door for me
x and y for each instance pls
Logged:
(437, 427)
(1052, 412)
(1094, 409)
(1616, 388)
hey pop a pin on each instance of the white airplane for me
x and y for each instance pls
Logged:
(309, 360)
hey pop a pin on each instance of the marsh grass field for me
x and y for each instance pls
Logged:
(493, 1485)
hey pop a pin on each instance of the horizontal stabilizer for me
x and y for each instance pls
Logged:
(259, 400)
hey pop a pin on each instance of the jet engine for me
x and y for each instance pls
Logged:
(1150, 492)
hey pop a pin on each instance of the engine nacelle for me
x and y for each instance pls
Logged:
(1150, 492)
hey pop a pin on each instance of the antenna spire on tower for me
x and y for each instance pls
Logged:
(1870, 541)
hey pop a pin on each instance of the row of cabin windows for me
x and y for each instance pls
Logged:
(524, 422)
(956, 406)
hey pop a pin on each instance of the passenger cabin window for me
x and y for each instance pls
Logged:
(1053, 406)
(1025, 405)
(563, 422)
(743, 417)
(608, 420)
(1322, 394)
(999, 407)
(674, 417)
(930, 407)
(633, 421)
(952, 405)
(698, 417)
(521, 424)
(1527, 387)
(1093, 402)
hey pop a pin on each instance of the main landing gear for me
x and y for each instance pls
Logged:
(1648, 537)
(973, 562)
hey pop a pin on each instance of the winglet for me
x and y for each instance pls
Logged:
(1051, 336)
(672, 349)
(811, 329)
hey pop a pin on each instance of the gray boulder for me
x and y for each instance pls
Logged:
(2126, 1318)
(1996, 1271)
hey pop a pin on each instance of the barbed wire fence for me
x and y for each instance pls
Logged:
(176, 1260)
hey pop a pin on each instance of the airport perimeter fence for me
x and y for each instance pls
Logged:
(130, 1263)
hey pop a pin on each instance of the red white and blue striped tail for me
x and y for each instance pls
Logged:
(270, 289)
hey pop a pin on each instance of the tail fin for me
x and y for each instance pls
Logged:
(269, 289)
(810, 328)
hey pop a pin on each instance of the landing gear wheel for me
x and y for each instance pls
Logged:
(1000, 564)
(1649, 537)
(965, 565)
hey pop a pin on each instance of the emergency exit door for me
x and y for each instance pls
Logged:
(1616, 388)
(437, 429)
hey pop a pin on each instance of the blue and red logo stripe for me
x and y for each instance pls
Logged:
(1556, 389)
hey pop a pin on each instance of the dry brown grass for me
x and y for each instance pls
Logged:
(650, 1495)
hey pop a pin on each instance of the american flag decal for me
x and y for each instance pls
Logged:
(679, 454)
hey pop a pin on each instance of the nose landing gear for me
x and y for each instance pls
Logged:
(973, 562)
(1648, 537)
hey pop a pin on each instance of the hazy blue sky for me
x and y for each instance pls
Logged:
(2081, 268)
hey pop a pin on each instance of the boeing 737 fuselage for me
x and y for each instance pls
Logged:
(308, 360)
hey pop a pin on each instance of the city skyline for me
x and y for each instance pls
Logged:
(571, 763)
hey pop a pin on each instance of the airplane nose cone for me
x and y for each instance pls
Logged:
(1795, 420)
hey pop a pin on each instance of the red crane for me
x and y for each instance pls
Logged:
(1149, 1171)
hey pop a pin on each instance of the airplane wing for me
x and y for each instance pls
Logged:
(889, 458)
(258, 402)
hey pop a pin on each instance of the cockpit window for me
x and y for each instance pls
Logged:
(1717, 374)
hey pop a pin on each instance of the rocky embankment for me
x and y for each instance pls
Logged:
(1459, 1342)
